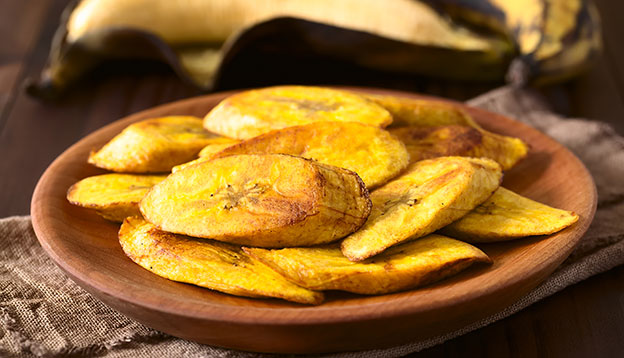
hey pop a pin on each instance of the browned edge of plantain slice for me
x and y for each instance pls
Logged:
(206, 263)
(431, 142)
(507, 216)
(405, 266)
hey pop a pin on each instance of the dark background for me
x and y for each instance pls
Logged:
(584, 320)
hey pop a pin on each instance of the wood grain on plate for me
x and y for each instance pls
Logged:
(85, 246)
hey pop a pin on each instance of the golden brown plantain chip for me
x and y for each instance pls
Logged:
(506, 151)
(401, 267)
(432, 142)
(216, 145)
(188, 164)
(251, 113)
(429, 195)
(206, 263)
(371, 152)
(422, 112)
(113, 196)
(153, 145)
(506, 216)
(271, 200)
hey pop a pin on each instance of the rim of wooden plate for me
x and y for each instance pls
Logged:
(456, 297)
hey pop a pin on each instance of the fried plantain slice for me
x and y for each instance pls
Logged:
(422, 112)
(401, 267)
(506, 216)
(113, 196)
(188, 164)
(506, 151)
(371, 152)
(251, 113)
(206, 263)
(431, 142)
(216, 145)
(153, 145)
(271, 200)
(429, 195)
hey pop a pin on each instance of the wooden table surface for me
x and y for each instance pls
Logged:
(584, 320)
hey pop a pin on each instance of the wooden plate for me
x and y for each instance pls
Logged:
(85, 246)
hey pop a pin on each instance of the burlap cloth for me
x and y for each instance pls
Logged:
(44, 314)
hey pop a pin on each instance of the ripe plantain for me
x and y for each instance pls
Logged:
(197, 21)
(506, 216)
(207, 263)
(431, 142)
(532, 41)
(254, 112)
(113, 196)
(555, 39)
(576, 48)
(153, 145)
(401, 267)
(428, 196)
(268, 200)
(200, 38)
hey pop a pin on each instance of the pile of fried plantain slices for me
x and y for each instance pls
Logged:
(289, 191)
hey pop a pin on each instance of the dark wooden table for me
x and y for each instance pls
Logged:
(584, 320)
